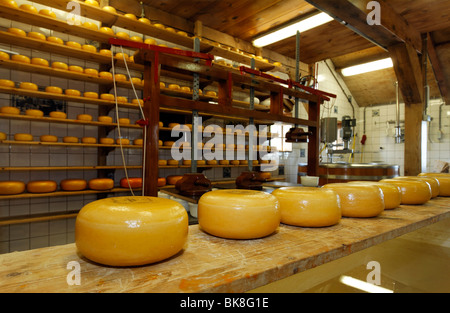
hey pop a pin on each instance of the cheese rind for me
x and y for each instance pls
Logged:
(73, 184)
(238, 214)
(131, 231)
(413, 192)
(101, 184)
(12, 187)
(444, 182)
(308, 206)
(23, 137)
(42, 186)
(391, 193)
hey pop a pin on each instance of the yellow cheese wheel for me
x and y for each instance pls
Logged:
(234, 162)
(123, 35)
(120, 77)
(91, 95)
(106, 141)
(7, 83)
(54, 89)
(137, 101)
(101, 184)
(211, 162)
(3, 136)
(84, 117)
(107, 96)
(72, 93)
(138, 142)
(73, 184)
(105, 119)
(185, 89)
(121, 56)
(107, 30)
(89, 48)
(211, 93)
(11, 187)
(57, 114)
(391, 193)
(444, 182)
(124, 121)
(4, 56)
(105, 52)
(21, 59)
(224, 162)
(70, 139)
(238, 214)
(182, 33)
(9, 3)
(150, 41)
(308, 206)
(60, 66)
(130, 16)
(137, 39)
(358, 200)
(123, 141)
(160, 143)
(136, 80)
(76, 69)
(109, 8)
(73, 44)
(48, 138)
(434, 183)
(93, 3)
(37, 35)
(169, 143)
(131, 231)
(17, 31)
(10, 110)
(48, 13)
(42, 186)
(174, 87)
(122, 99)
(145, 20)
(243, 162)
(105, 75)
(28, 86)
(56, 40)
(90, 25)
(413, 192)
(35, 113)
(23, 137)
(89, 140)
(172, 162)
(91, 72)
(40, 62)
(187, 162)
(201, 162)
(162, 162)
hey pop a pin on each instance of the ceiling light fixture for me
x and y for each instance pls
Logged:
(291, 30)
(367, 67)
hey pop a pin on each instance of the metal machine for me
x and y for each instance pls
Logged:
(329, 135)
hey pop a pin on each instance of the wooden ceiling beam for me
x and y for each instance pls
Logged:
(437, 69)
(393, 28)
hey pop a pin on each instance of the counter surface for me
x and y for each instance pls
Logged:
(211, 264)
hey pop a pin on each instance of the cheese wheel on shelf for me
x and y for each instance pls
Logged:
(56, 40)
(159, 25)
(211, 93)
(174, 87)
(17, 31)
(124, 121)
(4, 56)
(434, 183)
(3, 136)
(145, 20)
(160, 143)
(137, 39)
(131, 231)
(57, 114)
(138, 101)
(101, 184)
(106, 141)
(21, 59)
(73, 184)
(138, 142)
(40, 62)
(413, 192)
(238, 214)
(123, 35)
(122, 99)
(107, 96)
(73, 44)
(9, 188)
(89, 140)
(105, 119)
(48, 13)
(121, 56)
(201, 162)
(60, 66)
(133, 182)
(48, 138)
(105, 52)
(37, 35)
(23, 137)
(28, 86)
(123, 141)
(211, 162)
(9, 3)
(84, 117)
(243, 162)
(7, 83)
(308, 206)
(76, 69)
(162, 162)
(444, 182)
(224, 162)
(93, 3)
(172, 179)
(136, 80)
(185, 89)
(89, 48)
(130, 16)
(150, 41)
(54, 89)
(120, 77)
(91, 72)
(391, 193)
(110, 9)
(107, 30)
(91, 95)
(90, 25)
(42, 186)
(72, 93)
(70, 139)
(172, 163)
(105, 75)
(358, 200)
(234, 162)
(10, 110)
(182, 33)
(35, 113)
(161, 182)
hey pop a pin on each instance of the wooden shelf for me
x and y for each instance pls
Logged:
(62, 144)
(64, 168)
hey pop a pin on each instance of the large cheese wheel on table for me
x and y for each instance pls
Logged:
(308, 206)
(131, 231)
(11, 187)
(42, 186)
(101, 184)
(238, 214)
(434, 183)
(358, 200)
(444, 182)
(73, 184)
(413, 192)
(391, 193)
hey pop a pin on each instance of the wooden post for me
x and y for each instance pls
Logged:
(313, 139)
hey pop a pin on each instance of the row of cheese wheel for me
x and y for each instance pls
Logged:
(210, 162)
(71, 139)
(107, 236)
(28, 7)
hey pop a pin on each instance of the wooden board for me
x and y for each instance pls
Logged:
(211, 264)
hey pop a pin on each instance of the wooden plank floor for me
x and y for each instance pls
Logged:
(211, 264)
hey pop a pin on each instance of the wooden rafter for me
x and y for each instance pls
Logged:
(437, 69)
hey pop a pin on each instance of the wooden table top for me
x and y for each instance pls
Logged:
(211, 264)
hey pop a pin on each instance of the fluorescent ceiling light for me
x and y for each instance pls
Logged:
(367, 67)
(362, 285)
(291, 30)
